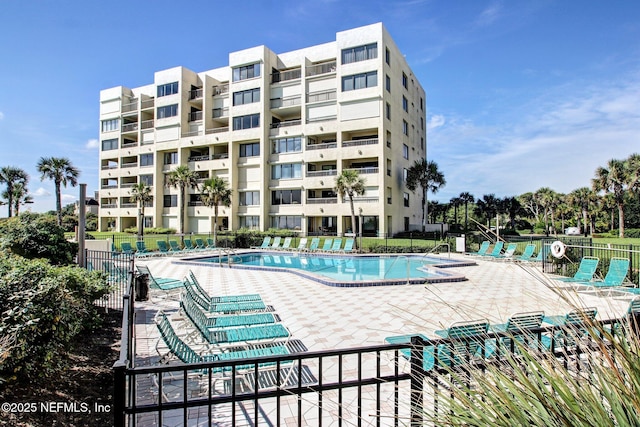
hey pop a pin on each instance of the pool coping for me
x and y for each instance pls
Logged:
(442, 277)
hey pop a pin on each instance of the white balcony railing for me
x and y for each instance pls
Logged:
(354, 143)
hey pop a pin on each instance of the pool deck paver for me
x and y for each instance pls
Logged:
(326, 318)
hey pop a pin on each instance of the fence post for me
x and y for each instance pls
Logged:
(417, 382)
(119, 393)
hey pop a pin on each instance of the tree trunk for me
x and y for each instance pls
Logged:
(215, 224)
(58, 203)
(621, 220)
(181, 209)
(425, 211)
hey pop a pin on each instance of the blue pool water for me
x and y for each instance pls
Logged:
(347, 270)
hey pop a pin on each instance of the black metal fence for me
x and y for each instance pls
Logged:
(118, 268)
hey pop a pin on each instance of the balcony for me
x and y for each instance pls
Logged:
(285, 102)
(285, 123)
(195, 94)
(282, 76)
(147, 124)
(220, 112)
(328, 95)
(362, 199)
(195, 116)
(108, 186)
(147, 103)
(196, 203)
(217, 130)
(131, 106)
(130, 165)
(322, 200)
(109, 166)
(324, 68)
(128, 205)
(354, 143)
(130, 127)
(366, 170)
(128, 185)
(221, 90)
(322, 146)
(202, 158)
(330, 172)
(129, 144)
(109, 205)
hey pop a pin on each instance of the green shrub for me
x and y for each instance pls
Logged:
(43, 307)
(37, 236)
(152, 230)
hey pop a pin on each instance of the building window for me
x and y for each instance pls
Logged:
(109, 144)
(250, 150)
(168, 89)
(388, 111)
(287, 222)
(146, 159)
(148, 221)
(405, 81)
(250, 222)
(360, 81)
(167, 111)
(388, 167)
(422, 123)
(360, 53)
(171, 158)
(249, 198)
(406, 223)
(405, 197)
(287, 145)
(286, 171)
(246, 96)
(147, 180)
(405, 151)
(405, 174)
(389, 195)
(170, 201)
(246, 72)
(387, 56)
(405, 104)
(286, 197)
(421, 104)
(387, 83)
(405, 127)
(246, 122)
(110, 125)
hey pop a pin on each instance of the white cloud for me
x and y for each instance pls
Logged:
(68, 198)
(41, 192)
(1, 115)
(435, 121)
(91, 144)
(489, 15)
(556, 140)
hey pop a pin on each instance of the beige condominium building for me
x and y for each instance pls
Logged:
(279, 128)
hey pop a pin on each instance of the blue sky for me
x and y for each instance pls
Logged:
(520, 94)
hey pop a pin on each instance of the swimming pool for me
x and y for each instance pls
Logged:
(345, 270)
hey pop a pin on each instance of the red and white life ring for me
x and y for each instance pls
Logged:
(558, 249)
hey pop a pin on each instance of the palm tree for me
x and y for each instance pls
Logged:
(181, 178)
(141, 194)
(62, 172)
(546, 199)
(215, 192)
(466, 198)
(582, 198)
(613, 179)
(455, 202)
(350, 183)
(425, 175)
(512, 207)
(12, 176)
(487, 207)
(20, 197)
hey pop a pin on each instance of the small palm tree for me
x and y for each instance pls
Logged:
(613, 179)
(466, 198)
(425, 175)
(215, 192)
(12, 176)
(141, 194)
(61, 172)
(21, 197)
(582, 198)
(182, 178)
(350, 183)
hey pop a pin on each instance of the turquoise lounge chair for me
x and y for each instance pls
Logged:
(468, 339)
(175, 247)
(126, 248)
(497, 250)
(429, 353)
(348, 245)
(302, 245)
(484, 247)
(336, 246)
(196, 314)
(191, 279)
(326, 246)
(508, 253)
(631, 319)
(616, 276)
(188, 246)
(164, 284)
(115, 273)
(221, 307)
(211, 244)
(265, 243)
(575, 325)
(518, 328)
(315, 242)
(141, 250)
(163, 249)
(586, 270)
(201, 245)
(286, 244)
(527, 254)
(276, 243)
